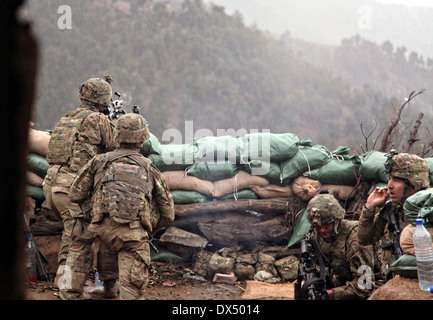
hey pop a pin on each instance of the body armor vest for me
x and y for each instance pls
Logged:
(127, 188)
(65, 134)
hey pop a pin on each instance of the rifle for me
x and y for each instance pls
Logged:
(312, 283)
(394, 227)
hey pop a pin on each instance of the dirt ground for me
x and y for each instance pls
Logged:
(167, 281)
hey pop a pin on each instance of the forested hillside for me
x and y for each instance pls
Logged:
(197, 63)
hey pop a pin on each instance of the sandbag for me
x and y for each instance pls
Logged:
(306, 158)
(177, 180)
(405, 266)
(271, 171)
(419, 205)
(337, 171)
(243, 194)
(158, 161)
(430, 165)
(33, 179)
(242, 180)
(37, 164)
(271, 146)
(406, 241)
(305, 188)
(212, 148)
(151, 146)
(213, 171)
(36, 193)
(273, 191)
(186, 197)
(38, 142)
(302, 227)
(340, 192)
(372, 166)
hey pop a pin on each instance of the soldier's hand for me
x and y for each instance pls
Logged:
(377, 198)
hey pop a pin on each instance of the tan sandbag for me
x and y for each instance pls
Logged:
(33, 179)
(273, 191)
(178, 180)
(305, 188)
(242, 180)
(406, 242)
(340, 192)
(38, 141)
(257, 290)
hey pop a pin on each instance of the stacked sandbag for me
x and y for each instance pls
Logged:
(37, 164)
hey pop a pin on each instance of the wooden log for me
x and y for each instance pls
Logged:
(267, 206)
(234, 234)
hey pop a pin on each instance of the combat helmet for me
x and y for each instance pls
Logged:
(409, 167)
(96, 92)
(132, 128)
(324, 209)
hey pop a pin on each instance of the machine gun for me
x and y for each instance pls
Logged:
(312, 283)
(115, 109)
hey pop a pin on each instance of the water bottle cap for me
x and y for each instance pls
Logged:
(419, 221)
(30, 239)
(430, 289)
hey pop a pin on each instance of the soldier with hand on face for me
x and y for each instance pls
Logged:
(382, 218)
(130, 203)
(337, 242)
(77, 137)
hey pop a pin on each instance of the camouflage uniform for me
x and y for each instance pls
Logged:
(125, 220)
(373, 224)
(77, 137)
(341, 250)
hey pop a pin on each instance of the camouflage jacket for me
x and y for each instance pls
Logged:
(94, 136)
(344, 254)
(373, 224)
(156, 210)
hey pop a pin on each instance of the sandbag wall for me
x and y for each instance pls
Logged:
(214, 169)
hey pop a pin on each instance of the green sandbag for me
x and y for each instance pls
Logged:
(213, 171)
(212, 148)
(271, 171)
(337, 171)
(150, 146)
(306, 158)
(36, 193)
(301, 228)
(243, 194)
(37, 164)
(372, 166)
(158, 162)
(405, 266)
(271, 146)
(187, 196)
(419, 206)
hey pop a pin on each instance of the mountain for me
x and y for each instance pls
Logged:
(188, 63)
(330, 21)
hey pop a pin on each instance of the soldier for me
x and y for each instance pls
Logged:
(130, 203)
(382, 217)
(336, 239)
(77, 137)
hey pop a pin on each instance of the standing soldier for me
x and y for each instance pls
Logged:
(382, 217)
(337, 243)
(130, 203)
(77, 137)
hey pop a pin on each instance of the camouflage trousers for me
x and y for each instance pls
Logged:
(59, 203)
(131, 242)
(80, 261)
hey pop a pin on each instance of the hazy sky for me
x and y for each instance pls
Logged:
(424, 3)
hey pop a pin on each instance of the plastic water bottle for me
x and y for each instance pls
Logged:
(31, 260)
(98, 282)
(424, 255)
